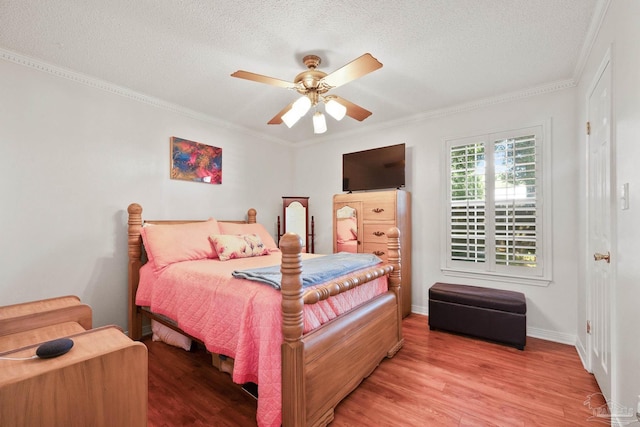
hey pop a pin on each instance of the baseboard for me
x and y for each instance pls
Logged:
(554, 336)
(543, 334)
(419, 310)
(582, 353)
(146, 331)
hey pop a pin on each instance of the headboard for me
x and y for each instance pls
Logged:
(136, 259)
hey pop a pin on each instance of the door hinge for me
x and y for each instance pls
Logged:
(588, 128)
(588, 327)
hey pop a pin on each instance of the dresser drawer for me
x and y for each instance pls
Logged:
(379, 249)
(379, 210)
(376, 232)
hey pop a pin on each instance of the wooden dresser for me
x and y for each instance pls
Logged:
(373, 214)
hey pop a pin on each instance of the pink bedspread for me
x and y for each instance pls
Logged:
(239, 318)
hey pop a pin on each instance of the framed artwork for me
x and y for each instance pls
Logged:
(193, 161)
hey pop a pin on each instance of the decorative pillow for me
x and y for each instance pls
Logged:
(167, 244)
(169, 336)
(238, 246)
(234, 228)
(145, 252)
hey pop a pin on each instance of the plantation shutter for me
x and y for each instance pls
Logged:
(515, 201)
(494, 203)
(467, 226)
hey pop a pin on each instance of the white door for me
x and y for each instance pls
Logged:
(599, 232)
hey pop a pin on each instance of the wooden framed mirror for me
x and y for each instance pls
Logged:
(295, 214)
(346, 230)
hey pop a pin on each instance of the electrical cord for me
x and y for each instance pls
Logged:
(19, 358)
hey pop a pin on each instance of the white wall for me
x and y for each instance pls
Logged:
(551, 310)
(74, 157)
(620, 32)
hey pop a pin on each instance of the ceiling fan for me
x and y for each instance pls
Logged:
(313, 85)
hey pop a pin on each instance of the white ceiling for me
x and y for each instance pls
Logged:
(437, 54)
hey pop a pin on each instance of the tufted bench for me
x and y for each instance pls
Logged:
(493, 314)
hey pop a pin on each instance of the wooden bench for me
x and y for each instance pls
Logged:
(493, 314)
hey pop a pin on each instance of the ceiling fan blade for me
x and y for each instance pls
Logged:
(354, 111)
(263, 79)
(277, 119)
(353, 70)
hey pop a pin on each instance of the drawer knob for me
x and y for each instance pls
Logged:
(378, 233)
(377, 210)
(378, 253)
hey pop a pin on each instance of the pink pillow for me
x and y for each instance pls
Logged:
(346, 229)
(169, 336)
(234, 228)
(169, 243)
(238, 246)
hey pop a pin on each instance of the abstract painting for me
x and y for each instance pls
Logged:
(193, 161)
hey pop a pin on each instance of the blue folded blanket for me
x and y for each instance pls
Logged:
(314, 270)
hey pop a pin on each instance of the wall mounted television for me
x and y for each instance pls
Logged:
(375, 169)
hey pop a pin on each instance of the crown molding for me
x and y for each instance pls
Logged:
(159, 103)
(592, 32)
(128, 93)
(455, 109)
(486, 102)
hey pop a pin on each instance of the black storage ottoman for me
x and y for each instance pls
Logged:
(493, 314)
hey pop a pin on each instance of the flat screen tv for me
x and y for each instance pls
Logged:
(374, 169)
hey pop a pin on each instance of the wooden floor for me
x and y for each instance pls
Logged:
(437, 379)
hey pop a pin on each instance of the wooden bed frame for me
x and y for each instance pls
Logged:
(322, 367)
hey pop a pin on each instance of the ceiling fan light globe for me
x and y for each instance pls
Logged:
(290, 118)
(335, 109)
(301, 106)
(319, 123)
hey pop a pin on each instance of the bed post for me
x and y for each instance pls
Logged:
(293, 396)
(135, 262)
(395, 280)
(251, 216)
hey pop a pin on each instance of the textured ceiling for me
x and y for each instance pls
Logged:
(437, 54)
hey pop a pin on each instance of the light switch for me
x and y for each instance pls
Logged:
(624, 196)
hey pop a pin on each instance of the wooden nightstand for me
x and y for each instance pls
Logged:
(101, 381)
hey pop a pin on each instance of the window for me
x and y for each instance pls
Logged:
(495, 219)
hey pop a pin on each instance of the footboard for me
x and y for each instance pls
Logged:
(322, 367)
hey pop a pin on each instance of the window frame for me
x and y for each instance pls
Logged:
(489, 270)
